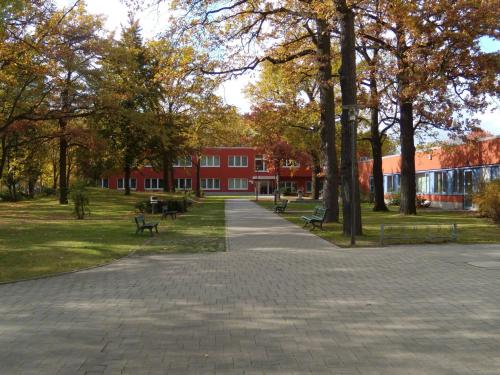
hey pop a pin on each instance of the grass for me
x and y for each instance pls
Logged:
(41, 237)
(471, 229)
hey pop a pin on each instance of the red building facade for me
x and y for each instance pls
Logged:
(223, 170)
(447, 176)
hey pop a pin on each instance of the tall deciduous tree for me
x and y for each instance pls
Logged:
(75, 49)
(276, 32)
(438, 68)
(130, 95)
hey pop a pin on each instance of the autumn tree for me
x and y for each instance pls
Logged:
(438, 68)
(75, 50)
(276, 33)
(285, 103)
(129, 95)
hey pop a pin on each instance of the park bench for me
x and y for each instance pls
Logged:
(316, 219)
(166, 212)
(281, 206)
(141, 225)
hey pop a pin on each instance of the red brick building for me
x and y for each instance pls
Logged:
(447, 176)
(227, 170)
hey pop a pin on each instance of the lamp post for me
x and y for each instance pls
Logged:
(353, 116)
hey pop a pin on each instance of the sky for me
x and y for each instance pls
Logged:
(153, 21)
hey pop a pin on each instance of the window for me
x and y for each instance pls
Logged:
(210, 161)
(290, 163)
(392, 183)
(183, 162)
(183, 184)
(104, 183)
(238, 161)
(440, 182)
(495, 172)
(238, 184)
(132, 183)
(153, 183)
(458, 181)
(372, 185)
(309, 187)
(260, 164)
(422, 180)
(287, 186)
(210, 183)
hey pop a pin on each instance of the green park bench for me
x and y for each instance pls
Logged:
(141, 225)
(281, 206)
(316, 219)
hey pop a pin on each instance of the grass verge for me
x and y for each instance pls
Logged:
(41, 237)
(471, 229)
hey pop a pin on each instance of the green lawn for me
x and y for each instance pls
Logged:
(471, 229)
(41, 237)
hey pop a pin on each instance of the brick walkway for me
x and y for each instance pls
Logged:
(281, 301)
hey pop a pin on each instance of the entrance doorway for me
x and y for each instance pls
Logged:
(468, 190)
(265, 187)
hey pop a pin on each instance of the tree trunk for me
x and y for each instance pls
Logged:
(63, 151)
(327, 121)
(127, 173)
(31, 187)
(349, 171)
(166, 172)
(378, 174)
(3, 158)
(406, 136)
(408, 183)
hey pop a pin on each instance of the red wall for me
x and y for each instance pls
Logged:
(300, 174)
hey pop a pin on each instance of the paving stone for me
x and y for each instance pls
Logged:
(280, 301)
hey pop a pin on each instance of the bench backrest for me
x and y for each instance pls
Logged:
(320, 212)
(139, 220)
(284, 202)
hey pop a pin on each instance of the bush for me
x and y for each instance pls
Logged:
(80, 198)
(488, 200)
(395, 200)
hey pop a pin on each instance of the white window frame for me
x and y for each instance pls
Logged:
(206, 159)
(123, 183)
(290, 163)
(151, 187)
(205, 183)
(232, 186)
(231, 161)
(178, 184)
(107, 183)
(264, 164)
(292, 185)
(183, 162)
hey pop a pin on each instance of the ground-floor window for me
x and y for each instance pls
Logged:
(238, 184)
(183, 184)
(288, 186)
(153, 183)
(132, 183)
(104, 183)
(309, 186)
(422, 183)
(210, 183)
(392, 183)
